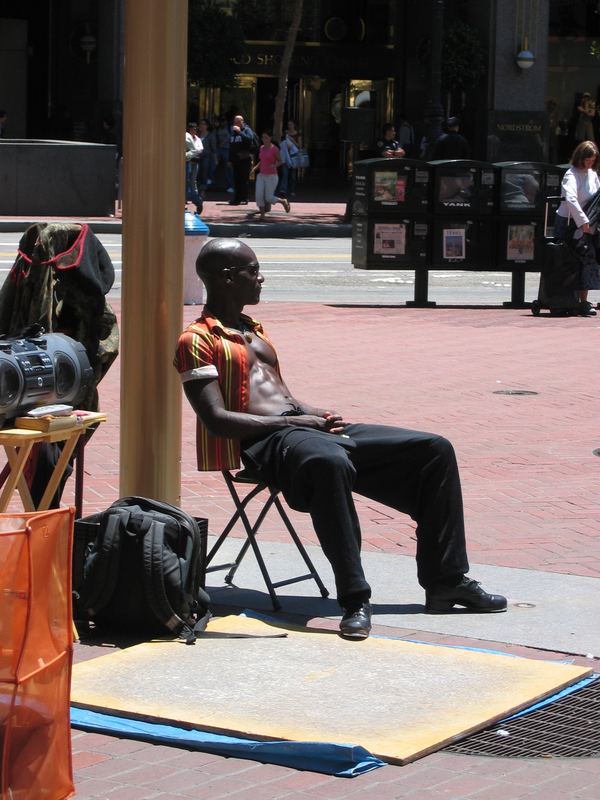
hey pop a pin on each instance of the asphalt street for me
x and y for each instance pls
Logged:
(320, 270)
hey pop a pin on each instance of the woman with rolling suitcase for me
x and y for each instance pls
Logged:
(573, 225)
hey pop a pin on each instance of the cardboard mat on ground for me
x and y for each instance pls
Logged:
(398, 699)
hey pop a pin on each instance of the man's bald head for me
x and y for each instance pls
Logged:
(219, 254)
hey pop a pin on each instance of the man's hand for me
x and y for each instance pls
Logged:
(334, 423)
(330, 423)
(399, 153)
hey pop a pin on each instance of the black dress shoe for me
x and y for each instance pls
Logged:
(467, 593)
(356, 623)
(586, 309)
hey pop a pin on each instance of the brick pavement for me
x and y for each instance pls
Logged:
(304, 211)
(529, 474)
(531, 500)
(317, 200)
(530, 485)
(108, 767)
(529, 481)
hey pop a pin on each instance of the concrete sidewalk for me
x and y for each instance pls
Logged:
(316, 211)
(530, 481)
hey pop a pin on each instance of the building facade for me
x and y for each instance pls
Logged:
(61, 70)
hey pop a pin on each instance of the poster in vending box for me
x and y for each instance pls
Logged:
(384, 186)
(454, 245)
(457, 189)
(520, 243)
(389, 188)
(520, 190)
(389, 240)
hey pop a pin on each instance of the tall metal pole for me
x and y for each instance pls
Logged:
(154, 104)
(434, 113)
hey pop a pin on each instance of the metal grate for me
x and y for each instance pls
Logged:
(567, 728)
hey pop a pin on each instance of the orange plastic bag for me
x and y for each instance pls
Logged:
(36, 652)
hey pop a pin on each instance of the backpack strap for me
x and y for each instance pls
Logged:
(202, 622)
(159, 602)
(155, 586)
(108, 556)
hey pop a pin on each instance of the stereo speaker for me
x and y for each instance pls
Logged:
(43, 369)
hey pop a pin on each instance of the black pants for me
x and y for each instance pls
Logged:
(586, 250)
(241, 177)
(413, 472)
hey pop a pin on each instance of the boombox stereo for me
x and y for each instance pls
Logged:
(39, 370)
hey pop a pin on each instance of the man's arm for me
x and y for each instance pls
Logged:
(206, 399)
(313, 410)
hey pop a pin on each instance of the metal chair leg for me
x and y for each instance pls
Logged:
(251, 540)
(251, 530)
(217, 545)
(301, 549)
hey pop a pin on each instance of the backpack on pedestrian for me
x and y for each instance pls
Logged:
(255, 144)
(139, 568)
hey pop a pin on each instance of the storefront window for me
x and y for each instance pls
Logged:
(574, 18)
(240, 99)
(573, 76)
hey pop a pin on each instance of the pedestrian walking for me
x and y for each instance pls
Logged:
(571, 224)
(222, 137)
(193, 153)
(266, 176)
(208, 155)
(241, 141)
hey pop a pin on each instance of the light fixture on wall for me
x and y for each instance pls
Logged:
(525, 58)
(526, 31)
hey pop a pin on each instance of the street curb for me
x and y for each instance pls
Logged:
(289, 230)
(98, 226)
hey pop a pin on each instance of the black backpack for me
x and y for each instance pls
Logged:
(255, 144)
(139, 566)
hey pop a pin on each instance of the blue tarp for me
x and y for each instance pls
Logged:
(341, 760)
(575, 687)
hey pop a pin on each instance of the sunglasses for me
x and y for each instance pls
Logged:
(252, 269)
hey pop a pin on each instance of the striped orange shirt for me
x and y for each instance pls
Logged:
(208, 349)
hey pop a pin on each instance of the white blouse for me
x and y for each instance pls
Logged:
(579, 185)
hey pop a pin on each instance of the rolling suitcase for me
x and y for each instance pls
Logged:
(559, 277)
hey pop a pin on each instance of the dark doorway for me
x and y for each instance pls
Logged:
(266, 92)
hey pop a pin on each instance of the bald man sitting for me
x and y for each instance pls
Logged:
(232, 378)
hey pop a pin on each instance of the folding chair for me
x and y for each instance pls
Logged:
(243, 477)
